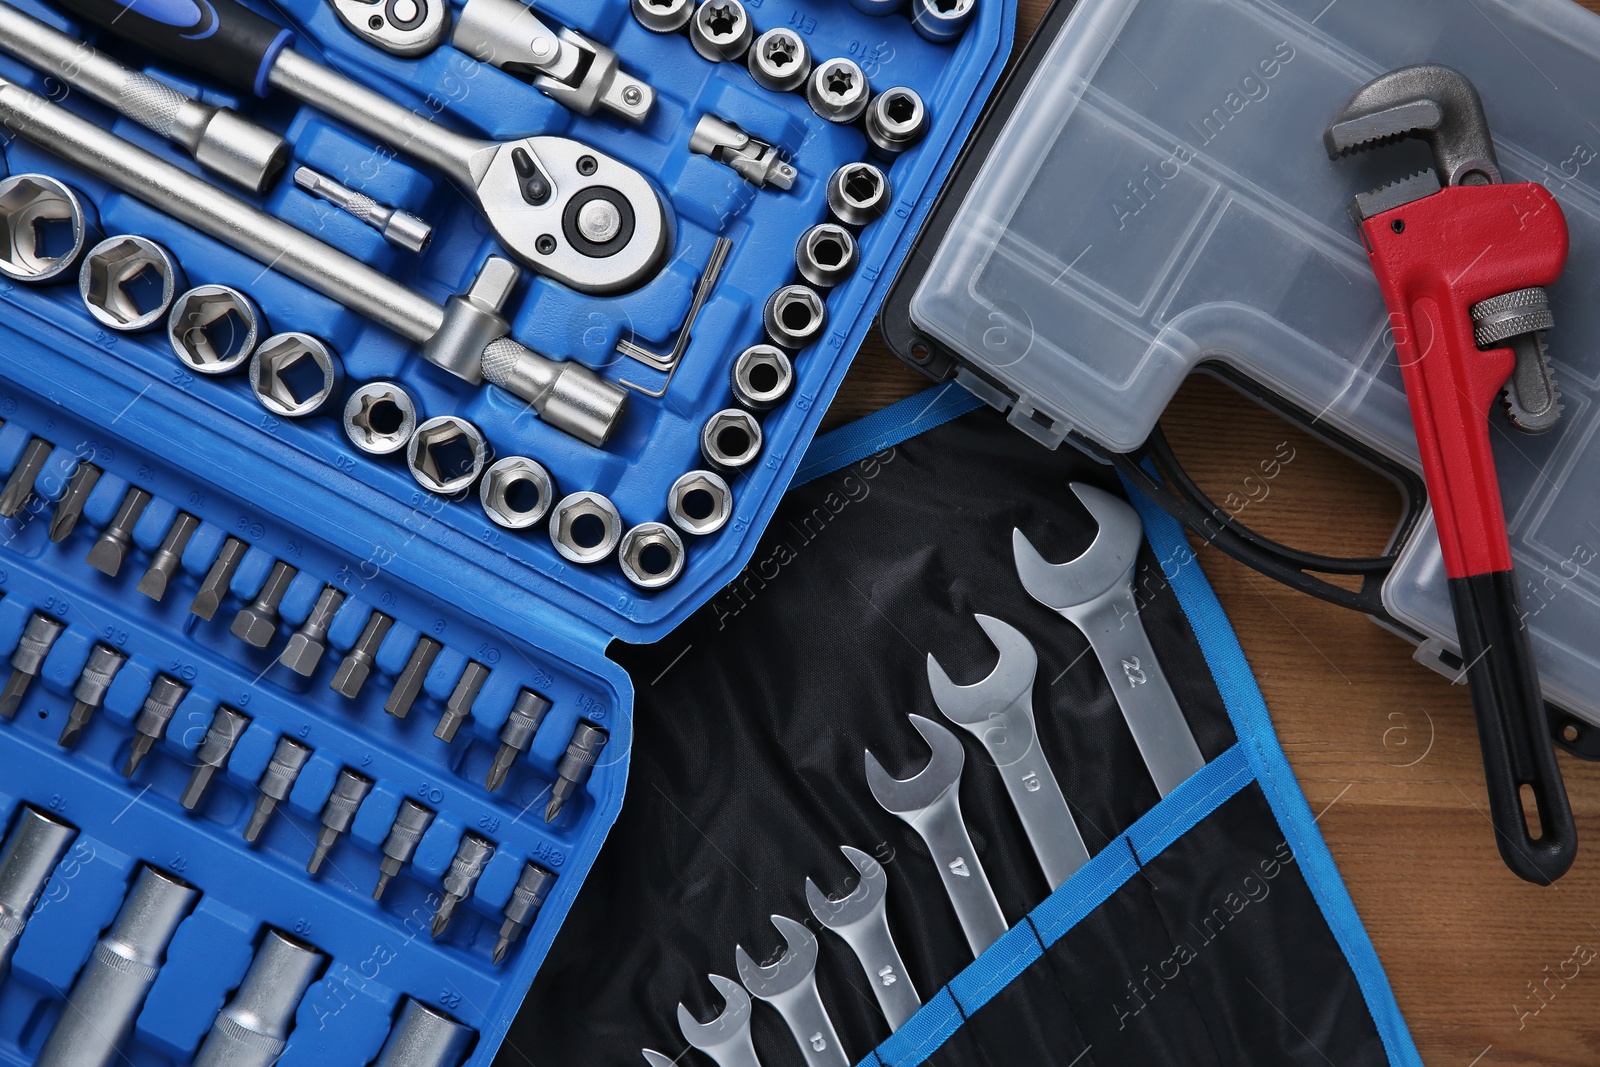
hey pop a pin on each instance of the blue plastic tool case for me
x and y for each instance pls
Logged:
(297, 492)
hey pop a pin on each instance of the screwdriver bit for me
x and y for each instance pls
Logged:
(462, 697)
(159, 706)
(471, 857)
(108, 553)
(288, 759)
(526, 900)
(356, 667)
(224, 732)
(37, 639)
(84, 478)
(218, 579)
(98, 673)
(583, 752)
(405, 832)
(337, 815)
(516, 736)
(307, 644)
(169, 557)
(19, 487)
(257, 624)
(408, 686)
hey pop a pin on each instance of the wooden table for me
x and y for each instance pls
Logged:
(1385, 749)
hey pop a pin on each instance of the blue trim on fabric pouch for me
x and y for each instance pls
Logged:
(883, 429)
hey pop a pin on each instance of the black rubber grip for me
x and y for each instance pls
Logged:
(1512, 729)
(222, 38)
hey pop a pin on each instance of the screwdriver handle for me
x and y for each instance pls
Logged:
(222, 38)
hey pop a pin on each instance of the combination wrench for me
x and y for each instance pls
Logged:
(726, 1039)
(861, 919)
(1095, 593)
(930, 803)
(790, 985)
(998, 711)
(572, 213)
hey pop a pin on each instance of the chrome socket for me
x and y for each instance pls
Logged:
(721, 31)
(517, 493)
(380, 417)
(252, 1029)
(32, 207)
(858, 193)
(780, 61)
(730, 439)
(795, 316)
(214, 329)
(838, 90)
(700, 503)
(896, 120)
(447, 454)
(651, 555)
(294, 374)
(585, 527)
(128, 283)
(663, 16)
(941, 21)
(425, 1037)
(762, 377)
(825, 255)
(754, 160)
(32, 849)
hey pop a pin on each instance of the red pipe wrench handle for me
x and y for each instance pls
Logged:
(1435, 258)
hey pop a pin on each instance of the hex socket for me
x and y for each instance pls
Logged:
(253, 1027)
(115, 282)
(858, 193)
(941, 21)
(213, 329)
(663, 16)
(795, 316)
(33, 848)
(29, 203)
(424, 1037)
(896, 120)
(762, 377)
(730, 439)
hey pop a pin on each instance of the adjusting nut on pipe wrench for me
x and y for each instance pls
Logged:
(1462, 259)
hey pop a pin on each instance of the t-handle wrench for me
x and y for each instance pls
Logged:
(574, 214)
(1095, 593)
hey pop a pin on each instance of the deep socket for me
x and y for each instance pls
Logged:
(33, 848)
(253, 1027)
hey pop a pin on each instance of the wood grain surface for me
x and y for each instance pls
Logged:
(1487, 969)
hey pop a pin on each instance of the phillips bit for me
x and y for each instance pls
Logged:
(459, 706)
(583, 752)
(471, 857)
(257, 624)
(227, 726)
(98, 673)
(307, 644)
(108, 553)
(408, 686)
(19, 487)
(405, 832)
(516, 736)
(159, 706)
(37, 639)
(356, 667)
(84, 478)
(526, 900)
(169, 557)
(337, 815)
(288, 759)
(218, 579)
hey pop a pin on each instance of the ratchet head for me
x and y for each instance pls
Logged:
(1011, 679)
(1064, 586)
(861, 903)
(795, 967)
(921, 791)
(729, 1029)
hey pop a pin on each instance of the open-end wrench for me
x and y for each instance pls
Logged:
(998, 711)
(930, 803)
(1095, 593)
(861, 918)
(726, 1039)
(657, 1059)
(574, 214)
(790, 985)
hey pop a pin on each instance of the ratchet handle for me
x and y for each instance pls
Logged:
(1517, 748)
(222, 38)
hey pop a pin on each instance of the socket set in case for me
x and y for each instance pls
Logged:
(312, 548)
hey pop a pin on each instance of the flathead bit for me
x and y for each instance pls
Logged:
(472, 856)
(338, 813)
(227, 726)
(19, 487)
(516, 736)
(38, 637)
(459, 706)
(410, 823)
(356, 667)
(169, 557)
(257, 624)
(90, 692)
(108, 553)
(408, 686)
(308, 644)
(288, 759)
(160, 704)
(527, 898)
(84, 478)
(218, 579)
(577, 763)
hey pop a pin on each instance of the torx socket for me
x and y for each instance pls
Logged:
(227, 726)
(466, 867)
(779, 61)
(38, 637)
(84, 478)
(424, 1037)
(410, 823)
(112, 986)
(408, 686)
(356, 667)
(160, 704)
(527, 898)
(516, 736)
(462, 697)
(288, 760)
(338, 813)
(33, 848)
(90, 692)
(838, 91)
(577, 763)
(218, 579)
(169, 557)
(108, 553)
(721, 31)
(252, 1029)
(307, 644)
(257, 624)
(19, 486)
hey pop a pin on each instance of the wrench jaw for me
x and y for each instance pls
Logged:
(1106, 566)
(909, 798)
(729, 1033)
(1008, 687)
(796, 967)
(861, 904)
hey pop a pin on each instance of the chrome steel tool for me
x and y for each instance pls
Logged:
(404, 28)
(726, 1039)
(425, 1037)
(396, 225)
(252, 1029)
(861, 918)
(790, 985)
(33, 848)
